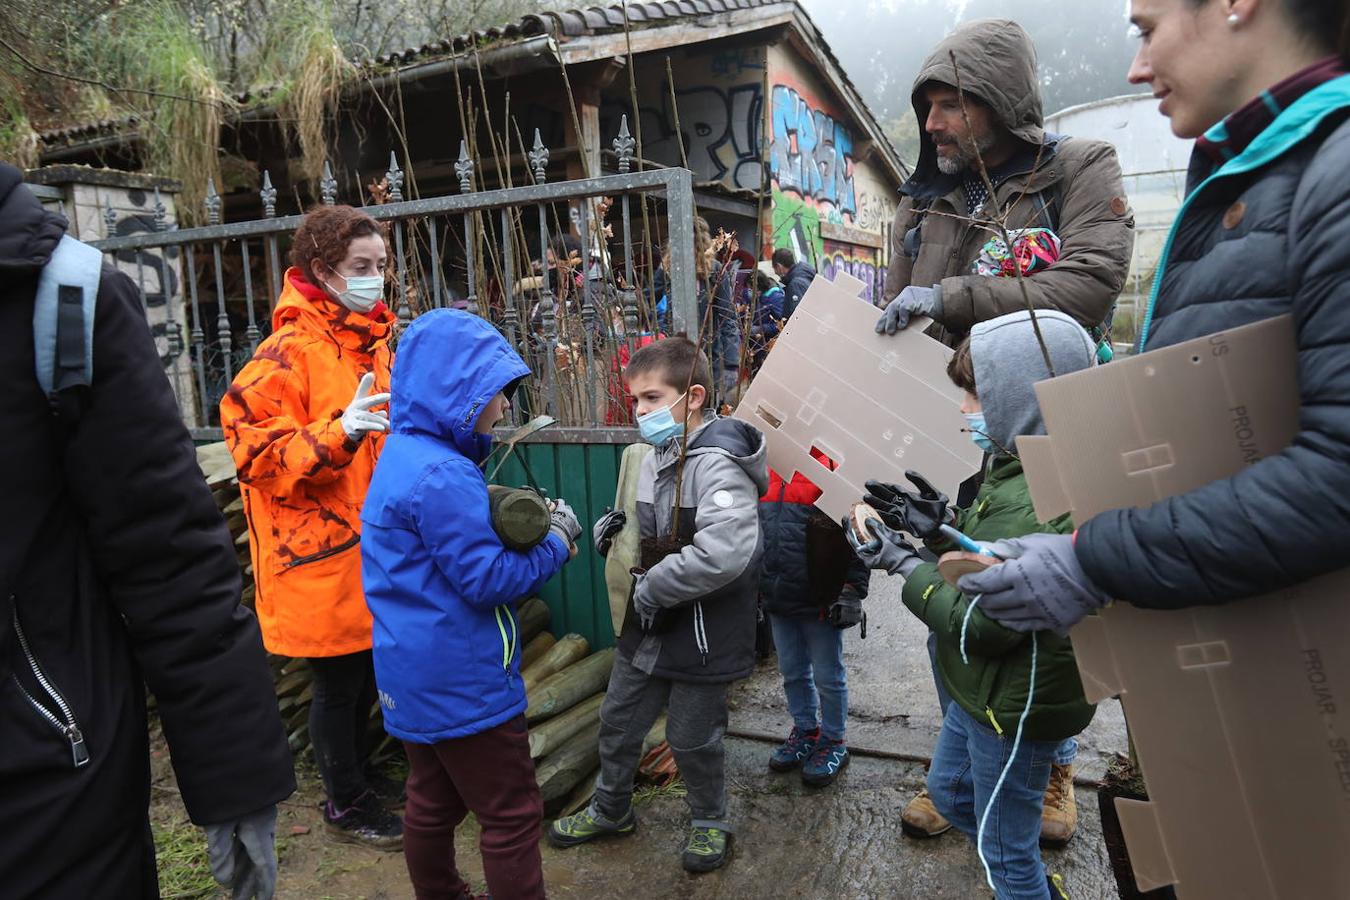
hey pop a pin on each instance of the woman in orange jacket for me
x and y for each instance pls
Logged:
(303, 425)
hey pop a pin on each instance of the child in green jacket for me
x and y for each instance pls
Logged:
(995, 739)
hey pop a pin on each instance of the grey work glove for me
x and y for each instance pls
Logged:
(887, 550)
(563, 522)
(912, 301)
(847, 611)
(920, 514)
(1041, 587)
(359, 419)
(606, 527)
(243, 854)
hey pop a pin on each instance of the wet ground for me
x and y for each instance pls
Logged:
(840, 842)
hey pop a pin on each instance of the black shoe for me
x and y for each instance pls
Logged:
(365, 822)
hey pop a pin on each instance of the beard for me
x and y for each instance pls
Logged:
(966, 154)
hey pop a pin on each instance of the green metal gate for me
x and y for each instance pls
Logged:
(580, 465)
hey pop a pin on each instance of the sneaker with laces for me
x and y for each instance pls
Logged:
(588, 825)
(826, 761)
(920, 818)
(794, 751)
(364, 822)
(1059, 815)
(708, 849)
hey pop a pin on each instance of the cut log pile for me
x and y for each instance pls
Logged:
(564, 681)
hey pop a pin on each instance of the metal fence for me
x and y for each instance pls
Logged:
(495, 253)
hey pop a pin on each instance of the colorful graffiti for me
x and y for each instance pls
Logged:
(796, 225)
(811, 155)
(845, 258)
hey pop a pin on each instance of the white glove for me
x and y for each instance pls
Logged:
(357, 418)
(563, 521)
(243, 854)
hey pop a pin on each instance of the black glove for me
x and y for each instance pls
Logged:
(888, 549)
(606, 527)
(920, 514)
(847, 611)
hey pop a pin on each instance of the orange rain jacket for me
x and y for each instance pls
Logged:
(302, 480)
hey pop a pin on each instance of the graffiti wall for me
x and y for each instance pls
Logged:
(718, 104)
(818, 172)
(131, 203)
(860, 262)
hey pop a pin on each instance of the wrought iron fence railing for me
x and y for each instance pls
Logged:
(495, 253)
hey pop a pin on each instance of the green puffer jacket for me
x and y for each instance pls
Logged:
(992, 687)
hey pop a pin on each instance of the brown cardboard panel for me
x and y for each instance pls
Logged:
(876, 405)
(1239, 711)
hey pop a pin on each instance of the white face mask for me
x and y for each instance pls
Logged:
(362, 293)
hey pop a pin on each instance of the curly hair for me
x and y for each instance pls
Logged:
(703, 256)
(325, 234)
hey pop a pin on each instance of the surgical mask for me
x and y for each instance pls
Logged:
(362, 293)
(979, 432)
(659, 426)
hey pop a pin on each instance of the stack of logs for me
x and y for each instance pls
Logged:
(564, 680)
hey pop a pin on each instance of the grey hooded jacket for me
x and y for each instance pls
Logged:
(710, 586)
(1070, 184)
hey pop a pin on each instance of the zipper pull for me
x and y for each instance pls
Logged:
(78, 751)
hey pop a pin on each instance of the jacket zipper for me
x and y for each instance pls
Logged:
(70, 729)
(324, 554)
(700, 633)
(508, 641)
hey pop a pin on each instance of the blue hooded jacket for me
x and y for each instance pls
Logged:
(440, 584)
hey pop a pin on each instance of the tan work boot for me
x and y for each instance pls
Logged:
(1059, 818)
(921, 819)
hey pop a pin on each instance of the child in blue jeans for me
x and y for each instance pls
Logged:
(812, 587)
(1015, 697)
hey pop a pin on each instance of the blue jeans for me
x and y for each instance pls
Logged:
(811, 659)
(1068, 748)
(966, 766)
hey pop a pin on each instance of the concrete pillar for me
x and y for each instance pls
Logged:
(104, 203)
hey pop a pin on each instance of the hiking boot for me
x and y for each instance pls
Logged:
(588, 825)
(365, 822)
(921, 819)
(1059, 817)
(1056, 884)
(708, 849)
(825, 762)
(795, 750)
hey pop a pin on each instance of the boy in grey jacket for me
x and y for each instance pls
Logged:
(690, 627)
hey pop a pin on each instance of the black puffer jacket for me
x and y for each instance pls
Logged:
(1268, 234)
(121, 574)
(795, 284)
(807, 559)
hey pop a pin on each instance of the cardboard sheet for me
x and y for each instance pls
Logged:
(874, 404)
(1240, 713)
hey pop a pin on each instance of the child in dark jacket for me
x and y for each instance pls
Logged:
(812, 588)
(1015, 697)
(690, 627)
(441, 588)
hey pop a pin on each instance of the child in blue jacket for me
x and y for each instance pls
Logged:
(441, 588)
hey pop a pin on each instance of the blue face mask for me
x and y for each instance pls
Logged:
(659, 426)
(979, 432)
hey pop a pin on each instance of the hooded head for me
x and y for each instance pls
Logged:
(28, 233)
(1007, 360)
(449, 365)
(998, 66)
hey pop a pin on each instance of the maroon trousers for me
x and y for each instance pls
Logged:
(491, 775)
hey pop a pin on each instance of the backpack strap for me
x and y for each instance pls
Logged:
(63, 325)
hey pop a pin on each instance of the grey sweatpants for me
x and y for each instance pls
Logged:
(696, 721)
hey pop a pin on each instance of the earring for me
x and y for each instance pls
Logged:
(1234, 20)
